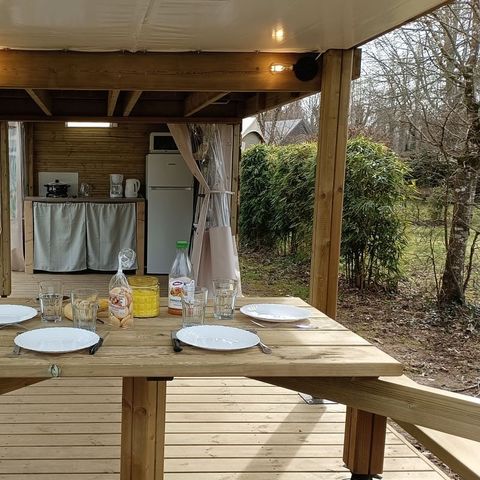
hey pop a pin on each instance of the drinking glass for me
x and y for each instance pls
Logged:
(51, 297)
(224, 294)
(193, 307)
(84, 308)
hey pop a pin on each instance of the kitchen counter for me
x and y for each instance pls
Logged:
(83, 199)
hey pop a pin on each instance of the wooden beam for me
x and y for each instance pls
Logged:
(190, 72)
(337, 68)
(261, 102)
(130, 100)
(394, 397)
(112, 101)
(198, 101)
(357, 63)
(5, 249)
(42, 98)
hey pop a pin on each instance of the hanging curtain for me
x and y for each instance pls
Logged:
(16, 160)
(214, 253)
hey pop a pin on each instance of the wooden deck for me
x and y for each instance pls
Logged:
(217, 429)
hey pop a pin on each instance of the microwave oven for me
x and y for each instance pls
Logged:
(162, 142)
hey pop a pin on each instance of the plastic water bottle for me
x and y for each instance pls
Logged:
(180, 278)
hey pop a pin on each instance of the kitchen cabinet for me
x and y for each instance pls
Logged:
(70, 234)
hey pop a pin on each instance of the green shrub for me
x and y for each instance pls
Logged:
(293, 185)
(373, 231)
(277, 200)
(256, 205)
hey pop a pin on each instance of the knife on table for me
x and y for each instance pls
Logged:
(175, 342)
(94, 348)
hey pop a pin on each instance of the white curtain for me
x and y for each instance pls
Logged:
(60, 237)
(110, 228)
(16, 157)
(214, 253)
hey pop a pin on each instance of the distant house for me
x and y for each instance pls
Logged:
(283, 132)
(251, 133)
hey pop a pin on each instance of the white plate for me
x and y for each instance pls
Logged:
(271, 312)
(56, 339)
(16, 314)
(217, 337)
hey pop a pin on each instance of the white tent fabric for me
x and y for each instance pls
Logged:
(214, 253)
(194, 25)
(16, 147)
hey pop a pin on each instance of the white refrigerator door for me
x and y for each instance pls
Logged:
(169, 219)
(167, 170)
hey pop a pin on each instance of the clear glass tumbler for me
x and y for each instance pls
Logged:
(84, 308)
(51, 298)
(224, 294)
(193, 307)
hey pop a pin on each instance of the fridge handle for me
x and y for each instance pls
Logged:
(170, 188)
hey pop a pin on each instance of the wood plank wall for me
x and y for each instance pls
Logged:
(94, 153)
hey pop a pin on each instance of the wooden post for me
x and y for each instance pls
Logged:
(28, 235)
(30, 182)
(337, 68)
(364, 443)
(5, 249)
(143, 429)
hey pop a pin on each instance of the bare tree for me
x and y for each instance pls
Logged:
(429, 72)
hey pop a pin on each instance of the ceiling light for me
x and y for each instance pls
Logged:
(90, 124)
(280, 67)
(278, 34)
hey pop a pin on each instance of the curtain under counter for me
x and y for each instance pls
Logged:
(60, 237)
(110, 227)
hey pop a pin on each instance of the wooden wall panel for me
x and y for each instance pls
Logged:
(94, 153)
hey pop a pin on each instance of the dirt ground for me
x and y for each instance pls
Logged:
(439, 350)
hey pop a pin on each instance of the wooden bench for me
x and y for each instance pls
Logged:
(460, 454)
(446, 423)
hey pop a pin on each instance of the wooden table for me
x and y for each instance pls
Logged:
(144, 358)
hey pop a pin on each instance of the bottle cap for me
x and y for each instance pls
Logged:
(182, 244)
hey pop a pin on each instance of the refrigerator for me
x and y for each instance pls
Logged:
(169, 192)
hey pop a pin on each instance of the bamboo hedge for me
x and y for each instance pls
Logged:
(277, 197)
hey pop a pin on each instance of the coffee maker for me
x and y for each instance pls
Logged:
(116, 185)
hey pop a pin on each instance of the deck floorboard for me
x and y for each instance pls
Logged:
(222, 437)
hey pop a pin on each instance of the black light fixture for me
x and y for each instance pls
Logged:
(306, 68)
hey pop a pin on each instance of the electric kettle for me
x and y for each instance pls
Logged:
(132, 186)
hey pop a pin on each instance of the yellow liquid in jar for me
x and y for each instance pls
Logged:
(146, 296)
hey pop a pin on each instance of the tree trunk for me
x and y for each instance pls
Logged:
(452, 290)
